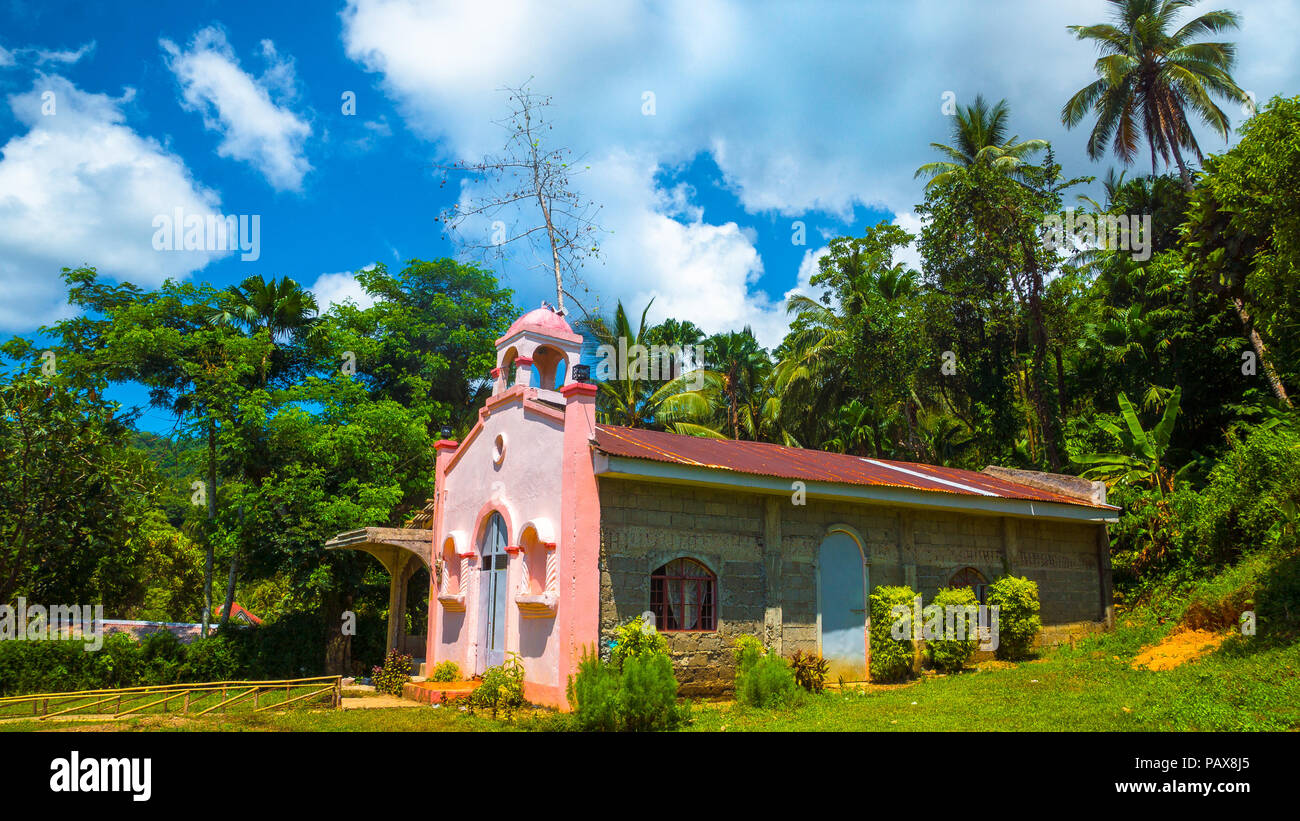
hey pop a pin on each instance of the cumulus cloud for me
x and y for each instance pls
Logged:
(254, 127)
(827, 107)
(337, 288)
(80, 187)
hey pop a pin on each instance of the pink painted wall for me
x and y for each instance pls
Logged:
(544, 484)
(525, 488)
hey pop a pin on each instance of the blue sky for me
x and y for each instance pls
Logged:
(765, 114)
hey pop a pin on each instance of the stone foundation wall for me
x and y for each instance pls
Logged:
(763, 549)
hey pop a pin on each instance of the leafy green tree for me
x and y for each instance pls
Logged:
(73, 492)
(427, 343)
(1243, 243)
(1149, 78)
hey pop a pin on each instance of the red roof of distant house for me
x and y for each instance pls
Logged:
(237, 611)
(765, 459)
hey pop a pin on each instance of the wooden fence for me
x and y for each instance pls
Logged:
(187, 699)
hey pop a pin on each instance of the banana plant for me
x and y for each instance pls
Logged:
(1141, 461)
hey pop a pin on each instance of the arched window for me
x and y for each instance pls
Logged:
(972, 578)
(683, 596)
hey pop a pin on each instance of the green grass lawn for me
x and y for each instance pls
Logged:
(1248, 683)
(1089, 688)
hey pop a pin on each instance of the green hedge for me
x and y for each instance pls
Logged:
(952, 654)
(290, 647)
(1017, 601)
(891, 659)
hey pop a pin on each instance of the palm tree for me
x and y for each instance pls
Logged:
(1149, 78)
(737, 373)
(280, 308)
(979, 134)
(639, 403)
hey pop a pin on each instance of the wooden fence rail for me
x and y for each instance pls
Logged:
(49, 705)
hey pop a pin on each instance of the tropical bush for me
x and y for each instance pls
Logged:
(1018, 623)
(642, 696)
(763, 678)
(635, 638)
(950, 654)
(891, 658)
(593, 694)
(809, 670)
(502, 688)
(648, 693)
(446, 671)
(395, 673)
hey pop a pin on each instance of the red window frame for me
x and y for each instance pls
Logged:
(972, 578)
(697, 613)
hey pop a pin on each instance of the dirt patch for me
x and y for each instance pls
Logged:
(1179, 648)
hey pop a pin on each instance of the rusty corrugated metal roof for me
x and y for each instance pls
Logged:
(765, 459)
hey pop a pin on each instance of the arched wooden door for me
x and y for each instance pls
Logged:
(842, 606)
(492, 594)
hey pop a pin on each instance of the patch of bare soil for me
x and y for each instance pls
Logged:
(1178, 648)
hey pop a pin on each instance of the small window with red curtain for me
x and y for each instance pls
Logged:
(972, 578)
(684, 596)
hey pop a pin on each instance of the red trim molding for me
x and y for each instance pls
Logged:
(582, 388)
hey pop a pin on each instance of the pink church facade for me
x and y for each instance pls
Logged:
(550, 529)
(516, 515)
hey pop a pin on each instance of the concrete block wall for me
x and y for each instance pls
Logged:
(770, 590)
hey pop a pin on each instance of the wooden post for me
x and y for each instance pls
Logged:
(186, 708)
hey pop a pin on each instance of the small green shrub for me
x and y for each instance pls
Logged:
(950, 654)
(635, 638)
(1018, 623)
(395, 673)
(891, 658)
(767, 682)
(593, 694)
(502, 690)
(641, 697)
(810, 671)
(648, 693)
(747, 651)
(446, 671)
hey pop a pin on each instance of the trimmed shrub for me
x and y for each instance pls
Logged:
(950, 654)
(809, 670)
(635, 638)
(1016, 598)
(502, 690)
(891, 658)
(446, 671)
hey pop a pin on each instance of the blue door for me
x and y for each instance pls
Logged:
(842, 607)
(492, 594)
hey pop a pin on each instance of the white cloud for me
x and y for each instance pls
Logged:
(80, 187)
(912, 224)
(333, 289)
(42, 56)
(65, 57)
(827, 107)
(809, 266)
(254, 128)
